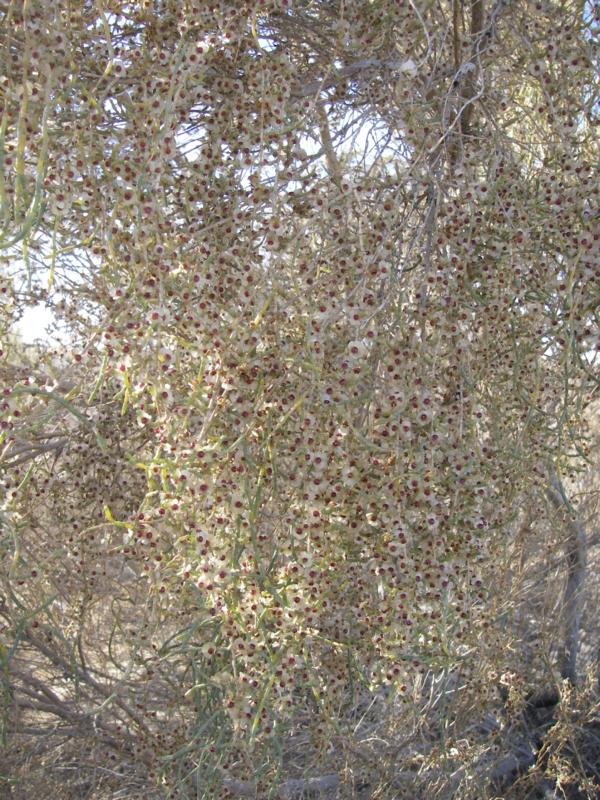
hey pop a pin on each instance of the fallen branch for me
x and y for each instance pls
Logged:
(293, 789)
(510, 766)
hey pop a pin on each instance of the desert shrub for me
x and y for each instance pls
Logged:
(324, 282)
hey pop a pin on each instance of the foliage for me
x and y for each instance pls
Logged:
(326, 280)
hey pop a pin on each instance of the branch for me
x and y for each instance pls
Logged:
(333, 165)
(337, 75)
(576, 547)
(292, 789)
(27, 452)
(511, 765)
(86, 678)
(469, 86)
(305, 788)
